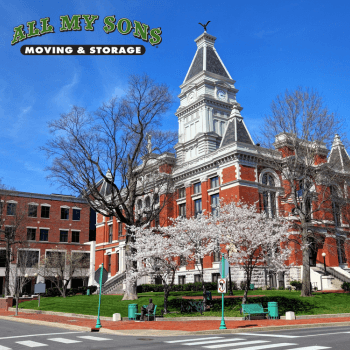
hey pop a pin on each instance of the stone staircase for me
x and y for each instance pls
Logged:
(338, 276)
(114, 285)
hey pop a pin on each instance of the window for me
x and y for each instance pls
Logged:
(110, 234)
(81, 259)
(44, 234)
(183, 260)
(55, 259)
(120, 229)
(32, 211)
(197, 278)
(215, 277)
(182, 192)
(2, 258)
(197, 188)
(139, 204)
(214, 182)
(28, 258)
(1, 207)
(76, 214)
(45, 212)
(182, 279)
(156, 199)
(214, 201)
(75, 236)
(197, 207)
(269, 197)
(109, 263)
(63, 236)
(217, 254)
(31, 233)
(182, 210)
(64, 213)
(147, 202)
(11, 209)
(335, 206)
(9, 231)
(156, 221)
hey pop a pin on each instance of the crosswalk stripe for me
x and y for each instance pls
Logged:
(30, 343)
(315, 347)
(185, 340)
(236, 344)
(65, 340)
(213, 341)
(272, 335)
(90, 337)
(268, 346)
(4, 348)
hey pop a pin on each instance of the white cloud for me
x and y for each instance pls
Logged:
(64, 95)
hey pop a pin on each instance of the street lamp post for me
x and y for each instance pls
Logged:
(324, 262)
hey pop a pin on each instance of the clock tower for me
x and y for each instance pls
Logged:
(207, 103)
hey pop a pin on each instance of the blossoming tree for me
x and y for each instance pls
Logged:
(155, 253)
(253, 239)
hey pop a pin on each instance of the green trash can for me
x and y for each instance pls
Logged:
(208, 295)
(272, 308)
(251, 287)
(88, 292)
(132, 310)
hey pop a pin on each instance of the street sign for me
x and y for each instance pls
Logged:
(222, 285)
(39, 288)
(104, 275)
(226, 268)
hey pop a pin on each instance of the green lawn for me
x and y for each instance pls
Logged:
(287, 301)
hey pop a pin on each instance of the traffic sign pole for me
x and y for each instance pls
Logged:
(98, 322)
(223, 325)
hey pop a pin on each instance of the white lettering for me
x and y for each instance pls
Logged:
(130, 50)
(29, 50)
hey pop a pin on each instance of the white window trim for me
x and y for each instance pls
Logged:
(31, 227)
(65, 206)
(11, 201)
(57, 250)
(45, 205)
(32, 249)
(77, 208)
(33, 203)
(44, 228)
(72, 229)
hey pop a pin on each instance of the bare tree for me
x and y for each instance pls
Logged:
(302, 128)
(111, 145)
(13, 216)
(21, 272)
(60, 267)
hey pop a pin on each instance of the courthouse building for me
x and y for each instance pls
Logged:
(216, 157)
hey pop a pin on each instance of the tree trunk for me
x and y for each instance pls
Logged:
(17, 297)
(130, 290)
(204, 289)
(166, 295)
(7, 268)
(245, 296)
(306, 285)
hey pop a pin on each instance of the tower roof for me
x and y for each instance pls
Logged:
(236, 130)
(206, 58)
(339, 158)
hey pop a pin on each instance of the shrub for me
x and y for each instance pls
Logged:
(345, 287)
(296, 284)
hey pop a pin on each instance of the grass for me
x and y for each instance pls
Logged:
(287, 301)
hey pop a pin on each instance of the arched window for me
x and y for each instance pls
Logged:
(269, 195)
(139, 204)
(148, 202)
(335, 205)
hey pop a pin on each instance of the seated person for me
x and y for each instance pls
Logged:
(147, 310)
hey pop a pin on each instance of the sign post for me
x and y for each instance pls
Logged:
(38, 289)
(101, 276)
(222, 286)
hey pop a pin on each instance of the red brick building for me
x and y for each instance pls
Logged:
(45, 223)
(217, 158)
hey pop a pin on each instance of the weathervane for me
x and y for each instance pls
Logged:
(204, 26)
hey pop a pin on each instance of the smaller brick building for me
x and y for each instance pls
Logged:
(45, 223)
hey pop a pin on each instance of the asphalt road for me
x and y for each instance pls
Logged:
(22, 336)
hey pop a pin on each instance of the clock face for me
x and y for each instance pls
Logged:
(191, 96)
(221, 94)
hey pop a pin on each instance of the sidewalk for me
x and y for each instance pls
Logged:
(171, 328)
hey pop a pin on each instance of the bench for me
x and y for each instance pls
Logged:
(152, 314)
(253, 309)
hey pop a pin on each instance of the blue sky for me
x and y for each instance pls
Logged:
(267, 46)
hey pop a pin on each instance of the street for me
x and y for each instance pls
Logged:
(16, 335)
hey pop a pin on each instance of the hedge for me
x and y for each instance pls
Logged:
(54, 292)
(194, 287)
